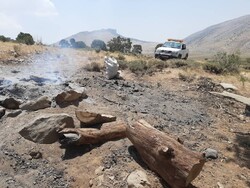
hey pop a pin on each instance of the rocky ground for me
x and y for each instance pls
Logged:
(181, 108)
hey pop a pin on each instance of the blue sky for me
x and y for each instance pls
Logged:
(150, 20)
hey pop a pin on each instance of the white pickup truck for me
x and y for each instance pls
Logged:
(172, 49)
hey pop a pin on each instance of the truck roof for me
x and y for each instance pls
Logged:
(175, 40)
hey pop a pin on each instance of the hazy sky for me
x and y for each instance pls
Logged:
(150, 20)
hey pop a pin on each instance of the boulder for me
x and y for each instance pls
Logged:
(69, 96)
(10, 103)
(89, 118)
(2, 112)
(138, 179)
(40, 103)
(44, 129)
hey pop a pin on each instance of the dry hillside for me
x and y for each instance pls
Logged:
(229, 36)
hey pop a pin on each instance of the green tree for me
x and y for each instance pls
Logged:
(4, 39)
(80, 44)
(64, 43)
(120, 44)
(25, 38)
(137, 49)
(72, 42)
(98, 45)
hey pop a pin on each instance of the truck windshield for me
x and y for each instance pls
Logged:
(172, 45)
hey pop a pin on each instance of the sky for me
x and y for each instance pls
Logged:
(149, 20)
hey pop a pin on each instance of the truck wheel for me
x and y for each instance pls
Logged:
(186, 57)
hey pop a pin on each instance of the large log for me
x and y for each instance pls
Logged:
(177, 165)
(81, 136)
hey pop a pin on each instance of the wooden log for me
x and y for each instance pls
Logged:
(177, 165)
(81, 136)
(90, 118)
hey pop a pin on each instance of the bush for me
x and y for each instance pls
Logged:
(120, 44)
(25, 38)
(4, 39)
(229, 63)
(122, 64)
(98, 44)
(177, 63)
(137, 49)
(137, 66)
(93, 67)
(121, 57)
(213, 68)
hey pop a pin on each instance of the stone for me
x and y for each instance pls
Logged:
(99, 170)
(44, 129)
(219, 185)
(2, 112)
(10, 103)
(228, 86)
(36, 154)
(40, 103)
(90, 118)
(70, 96)
(14, 113)
(211, 153)
(138, 179)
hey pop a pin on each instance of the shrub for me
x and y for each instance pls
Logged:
(93, 67)
(137, 49)
(122, 64)
(25, 38)
(177, 63)
(64, 43)
(4, 39)
(120, 44)
(121, 57)
(186, 77)
(213, 68)
(228, 62)
(98, 44)
(137, 66)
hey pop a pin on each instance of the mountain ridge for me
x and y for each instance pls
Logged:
(229, 36)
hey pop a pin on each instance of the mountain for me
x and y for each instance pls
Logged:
(229, 36)
(106, 35)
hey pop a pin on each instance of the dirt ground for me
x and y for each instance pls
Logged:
(180, 108)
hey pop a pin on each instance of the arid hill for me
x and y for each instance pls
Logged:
(229, 36)
(106, 35)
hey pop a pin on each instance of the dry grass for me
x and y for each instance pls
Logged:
(10, 49)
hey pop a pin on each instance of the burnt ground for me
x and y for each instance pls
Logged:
(182, 109)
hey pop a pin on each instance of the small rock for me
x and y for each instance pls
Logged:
(14, 113)
(228, 86)
(36, 154)
(10, 103)
(2, 112)
(41, 103)
(91, 183)
(137, 179)
(99, 170)
(219, 185)
(70, 96)
(211, 153)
